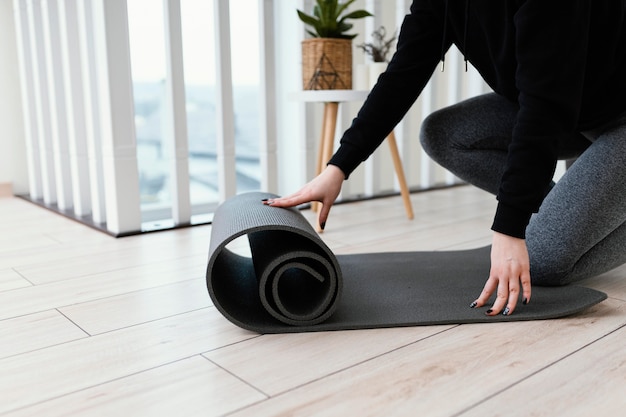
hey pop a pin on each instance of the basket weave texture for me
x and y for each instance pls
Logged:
(326, 64)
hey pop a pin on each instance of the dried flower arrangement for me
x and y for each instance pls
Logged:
(379, 47)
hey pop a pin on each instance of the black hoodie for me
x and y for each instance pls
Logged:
(562, 61)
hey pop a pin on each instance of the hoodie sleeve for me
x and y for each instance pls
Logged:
(418, 51)
(551, 50)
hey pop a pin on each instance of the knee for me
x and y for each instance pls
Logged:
(548, 277)
(433, 134)
(549, 266)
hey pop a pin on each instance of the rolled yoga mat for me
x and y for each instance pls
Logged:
(292, 282)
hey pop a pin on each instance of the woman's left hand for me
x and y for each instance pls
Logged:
(510, 266)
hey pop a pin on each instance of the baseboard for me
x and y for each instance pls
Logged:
(6, 189)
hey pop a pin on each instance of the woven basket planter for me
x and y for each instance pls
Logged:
(326, 64)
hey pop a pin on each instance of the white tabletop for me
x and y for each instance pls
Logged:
(334, 96)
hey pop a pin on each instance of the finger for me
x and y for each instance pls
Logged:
(526, 288)
(502, 296)
(490, 286)
(287, 201)
(514, 290)
(324, 214)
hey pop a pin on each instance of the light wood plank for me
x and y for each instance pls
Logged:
(16, 210)
(98, 259)
(306, 357)
(473, 232)
(613, 283)
(445, 374)
(92, 287)
(9, 280)
(68, 243)
(370, 213)
(590, 382)
(23, 242)
(356, 228)
(63, 369)
(26, 221)
(107, 314)
(190, 387)
(36, 331)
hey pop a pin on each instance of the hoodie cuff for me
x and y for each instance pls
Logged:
(511, 221)
(345, 160)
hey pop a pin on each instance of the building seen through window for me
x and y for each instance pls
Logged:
(146, 24)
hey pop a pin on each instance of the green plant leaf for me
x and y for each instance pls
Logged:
(313, 34)
(326, 10)
(309, 20)
(344, 27)
(357, 14)
(343, 7)
(327, 20)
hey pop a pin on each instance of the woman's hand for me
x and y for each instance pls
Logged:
(324, 188)
(510, 266)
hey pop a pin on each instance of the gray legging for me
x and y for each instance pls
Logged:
(580, 229)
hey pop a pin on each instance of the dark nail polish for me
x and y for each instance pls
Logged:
(474, 304)
(506, 311)
(489, 311)
(323, 225)
(265, 199)
(525, 301)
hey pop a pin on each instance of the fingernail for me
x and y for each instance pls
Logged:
(489, 311)
(474, 304)
(506, 311)
(525, 301)
(265, 199)
(323, 225)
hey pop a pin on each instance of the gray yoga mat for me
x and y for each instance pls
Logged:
(292, 282)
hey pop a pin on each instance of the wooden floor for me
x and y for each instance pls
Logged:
(96, 326)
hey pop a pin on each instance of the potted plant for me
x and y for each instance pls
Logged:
(377, 50)
(327, 55)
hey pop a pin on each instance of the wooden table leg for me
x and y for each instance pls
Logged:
(327, 136)
(327, 142)
(330, 124)
(397, 164)
(320, 157)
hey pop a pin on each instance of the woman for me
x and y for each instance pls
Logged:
(558, 73)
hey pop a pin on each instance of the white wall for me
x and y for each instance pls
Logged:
(12, 150)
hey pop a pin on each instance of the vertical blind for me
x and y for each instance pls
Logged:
(79, 105)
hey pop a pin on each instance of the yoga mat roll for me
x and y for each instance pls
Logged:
(292, 281)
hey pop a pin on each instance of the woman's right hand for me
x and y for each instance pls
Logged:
(324, 188)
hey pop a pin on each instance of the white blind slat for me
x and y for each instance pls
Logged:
(175, 132)
(227, 179)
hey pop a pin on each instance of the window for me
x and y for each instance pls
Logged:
(146, 23)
